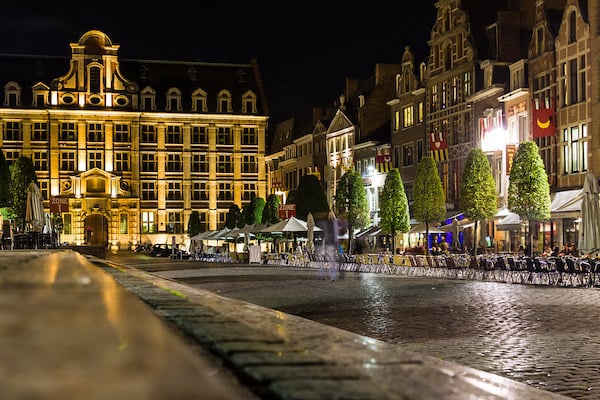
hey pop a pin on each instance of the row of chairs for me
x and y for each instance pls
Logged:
(560, 271)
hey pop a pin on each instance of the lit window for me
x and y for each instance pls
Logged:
(148, 222)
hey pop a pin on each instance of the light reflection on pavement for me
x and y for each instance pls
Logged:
(543, 336)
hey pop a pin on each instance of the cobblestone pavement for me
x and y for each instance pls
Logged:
(546, 337)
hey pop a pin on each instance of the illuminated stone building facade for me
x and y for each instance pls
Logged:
(135, 145)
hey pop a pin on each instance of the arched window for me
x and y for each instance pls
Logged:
(174, 99)
(95, 82)
(572, 27)
(249, 103)
(12, 94)
(224, 101)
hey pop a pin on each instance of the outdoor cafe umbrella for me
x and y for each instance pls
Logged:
(310, 234)
(455, 233)
(589, 233)
(34, 211)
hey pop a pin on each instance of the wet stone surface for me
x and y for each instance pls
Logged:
(543, 336)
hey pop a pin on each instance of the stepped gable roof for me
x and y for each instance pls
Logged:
(554, 20)
(481, 14)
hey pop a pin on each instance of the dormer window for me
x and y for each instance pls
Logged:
(148, 99)
(12, 94)
(199, 101)
(249, 103)
(192, 73)
(224, 101)
(174, 100)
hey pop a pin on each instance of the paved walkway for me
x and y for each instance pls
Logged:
(72, 329)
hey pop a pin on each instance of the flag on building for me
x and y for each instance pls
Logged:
(313, 171)
(383, 163)
(438, 146)
(544, 120)
(347, 165)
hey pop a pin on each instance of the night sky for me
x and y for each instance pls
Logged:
(304, 53)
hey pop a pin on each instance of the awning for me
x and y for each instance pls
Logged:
(372, 231)
(509, 223)
(566, 204)
(463, 223)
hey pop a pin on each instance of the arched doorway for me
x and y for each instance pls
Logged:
(96, 230)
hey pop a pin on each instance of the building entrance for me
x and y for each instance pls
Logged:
(96, 230)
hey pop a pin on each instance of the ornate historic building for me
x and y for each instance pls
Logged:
(135, 145)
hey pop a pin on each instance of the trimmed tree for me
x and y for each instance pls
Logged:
(528, 189)
(351, 204)
(194, 224)
(5, 182)
(271, 211)
(310, 197)
(233, 217)
(22, 173)
(429, 198)
(478, 199)
(393, 206)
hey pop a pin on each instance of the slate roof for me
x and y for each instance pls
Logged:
(28, 70)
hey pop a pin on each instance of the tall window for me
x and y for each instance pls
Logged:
(39, 131)
(572, 27)
(466, 84)
(95, 133)
(199, 135)
(148, 225)
(408, 117)
(224, 135)
(249, 190)
(148, 134)
(575, 149)
(420, 112)
(94, 159)
(174, 191)
(174, 135)
(408, 153)
(148, 190)
(121, 133)
(67, 224)
(174, 162)
(199, 163)
(122, 161)
(67, 160)
(249, 136)
(224, 164)
(174, 225)
(149, 163)
(225, 192)
(40, 160)
(67, 131)
(13, 131)
(249, 164)
(123, 224)
(199, 191)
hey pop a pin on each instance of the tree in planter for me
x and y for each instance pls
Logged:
(528, 189)
(310, 197)
(429, 198)
(5, 182)
(271, 211)
(234, 214)
(393, 206)
(478, 199)
(351, 204)
(194, 224)
(253, 211)
(22, 173)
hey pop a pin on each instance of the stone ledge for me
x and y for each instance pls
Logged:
(283, 356)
